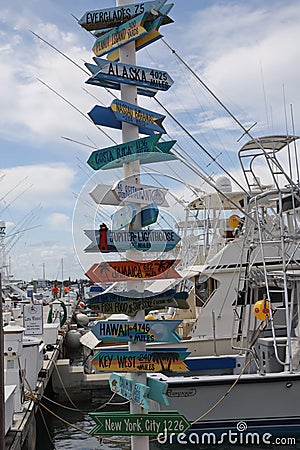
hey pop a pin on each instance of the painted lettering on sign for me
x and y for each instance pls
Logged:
(141, 117)
(113, 17)
(118, 303)
(149, 331)
(135, 75)
(129, 389)
(142, 361)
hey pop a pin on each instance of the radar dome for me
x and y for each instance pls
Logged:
(224, 184)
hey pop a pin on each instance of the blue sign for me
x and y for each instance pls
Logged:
(123, 217)
(129, 389)
(158, 390)
(135, 115)
(133, 75)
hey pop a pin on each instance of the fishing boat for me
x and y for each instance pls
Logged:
(255, 390)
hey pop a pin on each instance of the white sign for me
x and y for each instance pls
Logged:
(33, 320)
(138, 193)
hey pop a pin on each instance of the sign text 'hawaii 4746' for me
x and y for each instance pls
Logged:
(111, 271)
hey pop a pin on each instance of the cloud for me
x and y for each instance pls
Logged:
(45, 185)
(59, 221)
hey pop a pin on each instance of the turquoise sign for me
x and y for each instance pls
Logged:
(148, 331)
(129, 389)
(145, 149)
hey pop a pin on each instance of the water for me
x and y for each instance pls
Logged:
(53, 434)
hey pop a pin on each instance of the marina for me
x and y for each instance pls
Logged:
(178, 322)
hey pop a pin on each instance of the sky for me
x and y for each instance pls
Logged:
(246, 52)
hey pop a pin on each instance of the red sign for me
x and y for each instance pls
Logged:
(111, 271)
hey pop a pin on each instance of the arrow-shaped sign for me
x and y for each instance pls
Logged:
(152, 361)
(122, 35)
(151, 424)
(106, 83)
(129, 389)
(128, 215)
(104, 240)
(158, 390)
(124, 216)
(111, 271)
(135, 115)
(146, 150)
(128, 74)
(138, 193)
(105, 117)
(113, 17)
(149, 331)
(131, 302)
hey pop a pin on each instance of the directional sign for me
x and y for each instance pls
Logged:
(140, 43)
(148, 331)
(158, 390)
(122, 35)
(134, 75)
(152, 361)
(132, 301)
(98, 81)
(111, 271)
(151, 424)
(143, 240)
(105, 117)
(113, 17)
(135, 115)
(124, 216)
(129, 389)
(147, 150)
(138, 193)
(103, 195)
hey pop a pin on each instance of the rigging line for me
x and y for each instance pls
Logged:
(246, 131)
(287, 131)
(78, 142)
(77, 109)
(295, 146)
(60, 52)
(264, 94)
(13, 188)
(18, 196)
(199, 145)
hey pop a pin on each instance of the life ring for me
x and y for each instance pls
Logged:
(65, 313)
(262, 309)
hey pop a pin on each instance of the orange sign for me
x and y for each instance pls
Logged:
(111, 271)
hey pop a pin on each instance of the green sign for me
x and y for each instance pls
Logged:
(151, 424)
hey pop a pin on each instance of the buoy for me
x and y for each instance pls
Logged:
(262, 309)
(149, 317)
(234, 221)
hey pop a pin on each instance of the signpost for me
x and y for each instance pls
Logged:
(113, 17)
(113, 303)
(145, 150)
(143, 240)
(124, 216)
(134, 75)
(111, 271)
(138, 193)
(151, 424)
(151, 361)
(135, 115)
(148, 331)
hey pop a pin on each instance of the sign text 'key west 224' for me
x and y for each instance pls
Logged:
(152, 361)
(113, 17)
